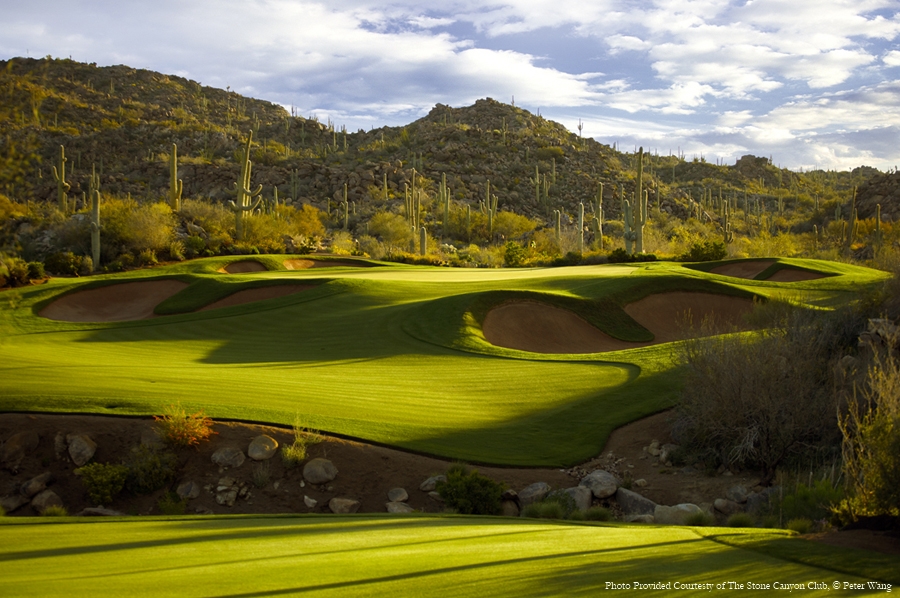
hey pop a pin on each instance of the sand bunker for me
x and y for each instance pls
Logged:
(671, 316)
(115, 303)
(793, 275)
(260, 294)
(743, 269)
(299, 264)
(243, 267)
(541, 328)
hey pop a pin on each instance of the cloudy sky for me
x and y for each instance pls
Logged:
(811, 83)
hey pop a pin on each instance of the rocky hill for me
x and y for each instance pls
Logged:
(123, 121)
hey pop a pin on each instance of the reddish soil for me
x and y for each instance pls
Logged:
(243, 267)
(793, 275)
(300, 264)
(365, 472)
(675, 316)
(115, 303)
(260, 294)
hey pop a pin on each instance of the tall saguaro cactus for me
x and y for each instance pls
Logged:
(444, 194)
(581, 228)
(636, 214)
(243, 194)
(62, 187)
(597, 220)
(175, 184)
(95, 228)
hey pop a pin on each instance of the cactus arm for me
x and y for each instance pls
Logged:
(175, 184)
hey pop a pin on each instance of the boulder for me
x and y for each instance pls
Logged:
(398, 507)
(758, 502)
(228, 456)
(633, 503)
(13, 502)
(676, 515)
(582, 497)
(509, 508)
(601, 483)
(262, 447)
(533, 493)
(81, 448)
(309, 502)
(737, 494)
(36, 484)
(397, 495)
(431, 483)
(319, 471)
(727, 507)
(343, 505)
(188, 490)
(510, 494)
(45, 499)
(17, 447)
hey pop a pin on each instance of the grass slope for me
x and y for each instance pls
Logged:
(384, 555)
(388, 354)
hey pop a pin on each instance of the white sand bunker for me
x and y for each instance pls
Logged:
(542, 328)
(754, 268)
(671, 316)
(260, 294)
(243, 267)
(301, 264)
(115, 303)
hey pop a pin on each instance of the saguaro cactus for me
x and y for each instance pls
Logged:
(243, 194)
(444, 196)
(95, 228)
(635, 213)
(581, 228)
(62, 187)
(597, 220)
(423, 241)
(175, 184)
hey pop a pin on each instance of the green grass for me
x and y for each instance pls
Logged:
(384, 555)
(391, 354)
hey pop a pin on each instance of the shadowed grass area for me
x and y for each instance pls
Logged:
(389, 354)
(383, 555)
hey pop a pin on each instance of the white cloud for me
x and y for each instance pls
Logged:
(892, 58)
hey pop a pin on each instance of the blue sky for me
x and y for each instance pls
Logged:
(811, 83)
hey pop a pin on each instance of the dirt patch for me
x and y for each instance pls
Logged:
(366, 472)
(542, 328)
(750, 269)
(115, 303)
(672, 316)
(260, 294)
(243, 267)
(298, 264)
(793, 275)
(865, 539)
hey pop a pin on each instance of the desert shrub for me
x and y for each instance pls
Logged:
(815, 501)
(183, 429)
(705, 251)
(342, 243)
(576, 515)
(103, 481)
(544, 510)
(513, 255)
(171, 504)
(598, 514)
(756, 400)
(176, 251)
(550, 153)
(266, 232)
(55, 511)
(509, 225)
(620, 256)
(149, 470)
(135, 226)
(261, 475)
(35, 270)
(295, 453)
(194, 246)
(64, 263)
(740, 520)
(871, 441)
(469, 492)
(392, 229)
(147, 257)
(14, 270)
(2, 512)
(700, 519)
(307, 221)
(801, 525)
(215, 219)
(563, 499)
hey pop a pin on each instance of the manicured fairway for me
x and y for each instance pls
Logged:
(394, 556)
(391, 354)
